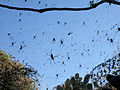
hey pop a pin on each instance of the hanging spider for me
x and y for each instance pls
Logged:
(84, 23)
(68, 58)
(34, 37)
(111, 40)
(12, 43)
(80, 65)
(61, 41)
(65, 23)
(8, 34)
(70, 33)
(20, 14)
(20, 20)
(39, 2)
(58, 22)
(52, 57)
(63, 62)
(56, 75)
(53, 39)
(21, 47)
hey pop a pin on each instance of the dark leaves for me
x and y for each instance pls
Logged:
(86, 79)
(114, 80)
(76, 76)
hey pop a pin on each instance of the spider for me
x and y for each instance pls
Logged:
(52, 57)
(12, 43)
(53, 39)
(21, 47)
(61, 41)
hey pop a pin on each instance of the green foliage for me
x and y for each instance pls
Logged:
(16, 76)
(99, 73)
(98, 77)
(76, 83)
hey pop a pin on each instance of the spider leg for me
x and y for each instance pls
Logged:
(51, 60)
(54, 61)
(56, 56)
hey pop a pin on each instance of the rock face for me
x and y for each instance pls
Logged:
(114, 80)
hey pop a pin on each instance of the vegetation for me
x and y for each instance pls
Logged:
(19, 76)
(16, 76)
(76, 83)
(105, 76)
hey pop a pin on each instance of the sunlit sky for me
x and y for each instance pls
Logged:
(86, 37)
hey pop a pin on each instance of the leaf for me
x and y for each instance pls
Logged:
(86, 79)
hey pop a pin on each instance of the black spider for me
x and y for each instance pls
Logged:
(21, 47)
(61, 41)
(12, 43)
(52, 57)
(8, 33)
(53, 39)
(69, 33)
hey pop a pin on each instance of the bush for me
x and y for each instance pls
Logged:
(16, 76)
(76, 83)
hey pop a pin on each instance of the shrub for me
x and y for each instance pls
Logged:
(15, 75)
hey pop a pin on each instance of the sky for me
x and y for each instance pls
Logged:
(78, 40)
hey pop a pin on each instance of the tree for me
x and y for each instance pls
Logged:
(92, 5)
(105, 76)
(16, 76)
(76, 83)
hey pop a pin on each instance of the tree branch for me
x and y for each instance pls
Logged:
(113, 2)
(92, 6)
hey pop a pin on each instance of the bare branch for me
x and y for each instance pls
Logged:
(113, 2)
(53, 9)
(61, 9)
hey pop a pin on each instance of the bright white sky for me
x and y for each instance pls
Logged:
(88, 36)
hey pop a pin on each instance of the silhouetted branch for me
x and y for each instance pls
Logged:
(92, 6)
(113, 2)
(53, 9)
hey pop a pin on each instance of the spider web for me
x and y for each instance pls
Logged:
(111, 66)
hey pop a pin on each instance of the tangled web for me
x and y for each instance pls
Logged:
(111, 66)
